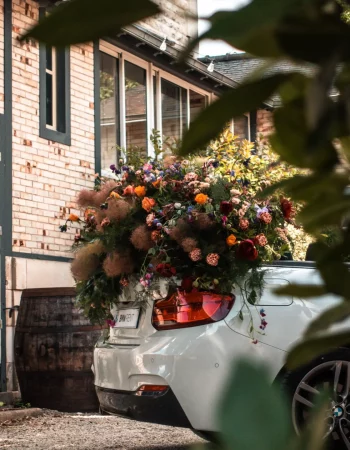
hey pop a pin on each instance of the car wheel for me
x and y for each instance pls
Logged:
(328, 373)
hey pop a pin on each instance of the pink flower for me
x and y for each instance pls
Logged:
(244, 224)
(235, 201)
(261, 240)
(149, 219)
(110, 323)
(191, 176)
(195, 255)
(213, 259)
(147, 166)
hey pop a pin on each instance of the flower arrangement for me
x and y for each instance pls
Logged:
(196, 221)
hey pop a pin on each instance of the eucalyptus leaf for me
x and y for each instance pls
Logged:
(307, 187)
(309, 349)
(292, 140)
(334, 315)
(252, 27)
(318, 214)
(268, 426)
(210, 122)
(79, 21)
(301, 290)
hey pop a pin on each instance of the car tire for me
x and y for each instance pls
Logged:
(209, 436)
(301, 387)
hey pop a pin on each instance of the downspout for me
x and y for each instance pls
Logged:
(6, 214)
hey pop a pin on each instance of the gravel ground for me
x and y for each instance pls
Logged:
(54, 431)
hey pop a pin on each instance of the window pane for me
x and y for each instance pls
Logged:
(61, 89)
(197, 103)
(241, 127)
(108, 105)
(135, 106)
(49, 116)
(174, 110)
(48, 57)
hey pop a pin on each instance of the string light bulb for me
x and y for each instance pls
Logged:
(211, 67)
(163, 45)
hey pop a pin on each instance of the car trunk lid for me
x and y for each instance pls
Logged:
(134, 297)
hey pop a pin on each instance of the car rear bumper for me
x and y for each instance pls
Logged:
(194, 363)
(164, 409)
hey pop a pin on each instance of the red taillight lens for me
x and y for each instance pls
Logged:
(151, 390)
(183, 309)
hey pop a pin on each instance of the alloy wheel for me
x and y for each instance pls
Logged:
(332, 377)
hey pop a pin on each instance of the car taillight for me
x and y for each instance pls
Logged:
(190, 309)
(151, 390)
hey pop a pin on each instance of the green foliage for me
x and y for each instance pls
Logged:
(240, 409)
(311, 132)
(97, 19)
(254, 415)
(310, 348)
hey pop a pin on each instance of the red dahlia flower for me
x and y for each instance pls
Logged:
(187, 284)
(165, 270)
(247, 250)
(226, 208)
(287, 209)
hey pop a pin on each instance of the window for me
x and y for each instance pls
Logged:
(197, 103)
(109, 111)
(174, 110)
(54, 93)
(241, 127)
(136, 97)
(135, 106)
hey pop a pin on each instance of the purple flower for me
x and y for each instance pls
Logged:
(112, 167)
(215, 164)
(232, 173)
(259, 211)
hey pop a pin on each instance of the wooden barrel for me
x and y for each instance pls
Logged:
(53, 352)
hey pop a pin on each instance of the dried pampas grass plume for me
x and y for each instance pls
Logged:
(180, 231)
(86, 261)
(169, 160)
(141, 238)
(117, 209)
(117, 264)
(105, 191)
(189, 244)
(203, 221)
(86, 198)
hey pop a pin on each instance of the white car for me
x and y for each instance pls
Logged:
(168, 362)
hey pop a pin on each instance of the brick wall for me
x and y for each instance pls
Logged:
(264, 123)
(174, 22)
(1, 56)
(46, 175)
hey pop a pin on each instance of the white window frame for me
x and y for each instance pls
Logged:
(53, 73)
(249, 131)
(151, 70)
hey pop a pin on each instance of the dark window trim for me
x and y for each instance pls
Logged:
(97, 106)
(41, 257)
(44, 132)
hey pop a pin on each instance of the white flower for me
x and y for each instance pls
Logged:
(177, 205)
